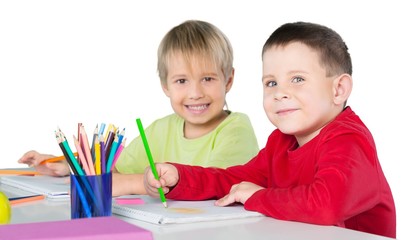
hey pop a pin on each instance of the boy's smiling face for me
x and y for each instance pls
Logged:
(197, 92)
(299, 98)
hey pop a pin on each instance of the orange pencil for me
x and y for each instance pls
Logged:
(18, 200)
(56, 159)
(18, 172)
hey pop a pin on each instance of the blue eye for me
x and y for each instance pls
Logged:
(270, 83)
(297, 80)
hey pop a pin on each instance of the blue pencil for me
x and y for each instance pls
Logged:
(112, 155)
(83, 200)
(101, 129)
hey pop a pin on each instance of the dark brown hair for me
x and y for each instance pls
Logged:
(332, 49)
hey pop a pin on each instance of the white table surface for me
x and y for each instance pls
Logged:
(248, 228)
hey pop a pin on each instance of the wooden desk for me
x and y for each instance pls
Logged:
(249, 228)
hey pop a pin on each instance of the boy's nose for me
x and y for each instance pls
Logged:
(280, 93)
(196, 91)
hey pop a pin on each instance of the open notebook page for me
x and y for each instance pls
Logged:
(52, 187)
(151, 210)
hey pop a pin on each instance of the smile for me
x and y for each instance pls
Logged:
(197, 107)
(285, 111)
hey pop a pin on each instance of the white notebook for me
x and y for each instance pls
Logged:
(51, 187)
(153, 211)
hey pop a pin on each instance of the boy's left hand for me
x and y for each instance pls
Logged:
(238, 193)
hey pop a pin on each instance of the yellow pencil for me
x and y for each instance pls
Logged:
(111, 127)
(97, 147)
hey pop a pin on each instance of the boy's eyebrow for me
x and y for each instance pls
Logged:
(176, 76)
(266, 76)
(213, 74)
(210, 74)
(293, 72)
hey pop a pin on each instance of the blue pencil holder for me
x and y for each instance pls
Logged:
(91, 196)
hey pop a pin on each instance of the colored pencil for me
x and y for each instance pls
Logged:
(56, 159)
(101, 129)
(79, 139)
(108, 130)
(120, 149)
(103, 156)
(69, 154)
(108, 143)
(121, 136)
(18, 172)
(97, 150)
(67, 157)
(84, 161)
(87, 150)
(81, 196)
(17, 200)
(150, 159)
(94, 135)
(111, 156)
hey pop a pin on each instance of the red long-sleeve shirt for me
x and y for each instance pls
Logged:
(335, 179)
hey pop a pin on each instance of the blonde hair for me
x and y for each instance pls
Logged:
(194, 38)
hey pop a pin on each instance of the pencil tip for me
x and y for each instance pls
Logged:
(165, 204)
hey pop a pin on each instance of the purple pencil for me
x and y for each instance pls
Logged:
(103, 154)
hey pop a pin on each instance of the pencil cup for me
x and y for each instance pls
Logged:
(91, 196)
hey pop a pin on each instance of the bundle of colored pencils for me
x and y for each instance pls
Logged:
(101, 157)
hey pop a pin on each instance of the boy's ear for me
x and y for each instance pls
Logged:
(230, 81)
(342, 86)
(165, 88)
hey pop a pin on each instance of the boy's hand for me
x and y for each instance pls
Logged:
(238, 193)
(168, 175)
(34, 159)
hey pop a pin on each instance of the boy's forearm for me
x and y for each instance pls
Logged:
(125, 184)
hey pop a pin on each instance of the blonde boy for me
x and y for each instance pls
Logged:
(195, 67)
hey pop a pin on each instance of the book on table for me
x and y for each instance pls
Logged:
(51, 187)
(151, 210)
(82, 228)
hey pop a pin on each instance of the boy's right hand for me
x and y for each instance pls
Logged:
(34, 159)
(168, 175)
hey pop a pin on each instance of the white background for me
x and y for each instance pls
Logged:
(64, 62)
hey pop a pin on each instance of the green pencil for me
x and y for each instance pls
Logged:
(150, 159)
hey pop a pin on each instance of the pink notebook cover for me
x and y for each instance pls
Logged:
(99, 228)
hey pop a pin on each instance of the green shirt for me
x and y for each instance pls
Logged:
(232, 142)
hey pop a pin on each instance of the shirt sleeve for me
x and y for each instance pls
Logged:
(200, 183)
(345, 183)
